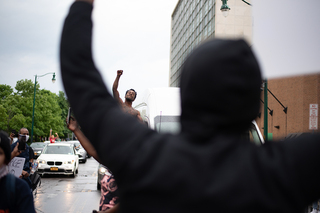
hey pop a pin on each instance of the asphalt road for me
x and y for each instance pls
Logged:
(59, 193)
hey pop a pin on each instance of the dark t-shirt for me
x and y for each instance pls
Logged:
(22, 199)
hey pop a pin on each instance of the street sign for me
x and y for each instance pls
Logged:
(313, 119)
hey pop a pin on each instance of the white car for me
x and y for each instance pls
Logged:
(58, 158)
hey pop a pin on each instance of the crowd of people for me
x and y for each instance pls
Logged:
(207, 167)
(16, 192)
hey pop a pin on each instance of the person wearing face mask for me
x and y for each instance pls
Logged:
(24, 153)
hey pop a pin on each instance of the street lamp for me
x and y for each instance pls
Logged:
(265, 106)
(34, 97)
(225, 8)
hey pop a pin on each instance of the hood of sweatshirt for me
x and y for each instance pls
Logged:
(220, 89)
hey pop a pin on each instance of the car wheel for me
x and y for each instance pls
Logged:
(98, 186)
(84, 161)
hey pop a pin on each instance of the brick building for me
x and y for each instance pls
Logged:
(295, 93)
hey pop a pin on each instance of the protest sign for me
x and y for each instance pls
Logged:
(16, 166)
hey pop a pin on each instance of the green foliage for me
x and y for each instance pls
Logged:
(16, 109)
(25, 88)
(64, 106)
(5, 91)
(17, 122)
(3, 114)
(47, 114)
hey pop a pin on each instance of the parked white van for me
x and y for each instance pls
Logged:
(160, 109)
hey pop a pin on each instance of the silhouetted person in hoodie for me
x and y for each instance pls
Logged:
(207, 167)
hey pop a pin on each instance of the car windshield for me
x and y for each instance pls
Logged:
(167, 124)
(38, 145)
(77, 144)
(64, 150)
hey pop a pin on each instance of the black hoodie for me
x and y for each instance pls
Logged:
(207, 167)
(220, 89)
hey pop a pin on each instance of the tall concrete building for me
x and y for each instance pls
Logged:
(194, 21)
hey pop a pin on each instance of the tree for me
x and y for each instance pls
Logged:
(47, 114)
(16, 109)
(11, 108)
(64, 106)
(17, 122)
(5, 91)
(25, 88)
(3, 114)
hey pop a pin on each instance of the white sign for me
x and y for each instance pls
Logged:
(286, 37)
(313, 119)
(16, 166)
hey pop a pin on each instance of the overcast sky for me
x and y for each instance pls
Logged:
(286, 37)
(130, 35)
(134, 35)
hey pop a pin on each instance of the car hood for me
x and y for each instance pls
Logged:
(81, 150)
(56, 157)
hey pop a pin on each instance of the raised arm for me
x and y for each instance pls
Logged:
(115, 87)
(88, 1)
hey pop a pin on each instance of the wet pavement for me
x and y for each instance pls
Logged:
(59, 193)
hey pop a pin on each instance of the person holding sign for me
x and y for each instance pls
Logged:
(21, 149)
(15, 193)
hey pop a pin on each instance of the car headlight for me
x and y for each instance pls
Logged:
(38, 152)
(68, 162)
(102, 170)
(42, 162)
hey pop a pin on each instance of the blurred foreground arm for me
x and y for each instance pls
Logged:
(88, 1)
(73, 126)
